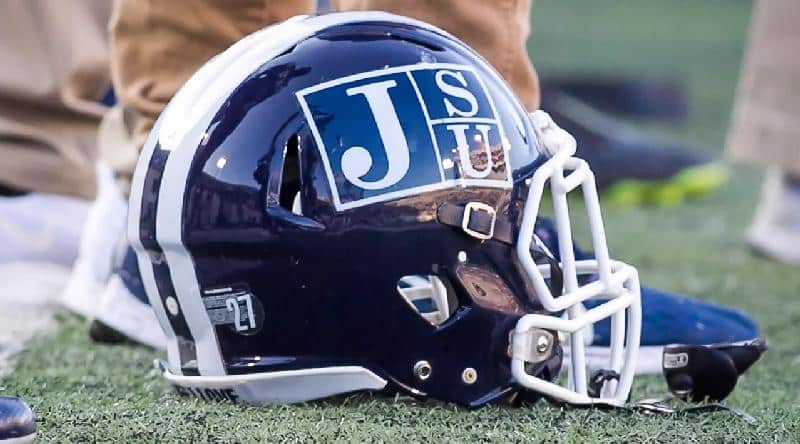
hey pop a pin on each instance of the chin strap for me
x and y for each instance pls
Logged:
(480, 221)
(694, 373)
(663, 406)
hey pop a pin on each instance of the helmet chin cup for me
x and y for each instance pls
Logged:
(617, 282)
(700, 372)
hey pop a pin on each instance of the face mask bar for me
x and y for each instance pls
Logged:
(617, 282)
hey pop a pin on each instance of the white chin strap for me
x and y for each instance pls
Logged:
(617, 283)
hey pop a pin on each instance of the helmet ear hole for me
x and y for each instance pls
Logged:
(290, 176)
(429, 296)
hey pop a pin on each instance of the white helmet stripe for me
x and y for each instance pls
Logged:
(145, 265)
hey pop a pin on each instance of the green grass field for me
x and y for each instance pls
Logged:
(86, 392)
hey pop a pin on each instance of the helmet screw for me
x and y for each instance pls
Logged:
(422, 370)
(542, 344)
(172, 306)
(462, 256)
(469, 375)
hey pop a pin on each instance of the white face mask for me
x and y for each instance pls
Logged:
(617, 282)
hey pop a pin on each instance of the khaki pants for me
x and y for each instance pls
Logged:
(54, 70)
(766, 122)
(158, 44)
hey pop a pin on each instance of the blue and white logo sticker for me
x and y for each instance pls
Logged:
(401, 131)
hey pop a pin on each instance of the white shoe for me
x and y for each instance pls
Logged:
(41, 228)
(775, 231)
(104, 225)
(123, 314)
(39, 236)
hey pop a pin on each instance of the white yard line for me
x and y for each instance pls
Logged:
(28, 301)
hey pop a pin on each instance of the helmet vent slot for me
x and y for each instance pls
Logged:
(290, 175)
(428, 296)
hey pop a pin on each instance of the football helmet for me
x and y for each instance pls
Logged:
(347, 202)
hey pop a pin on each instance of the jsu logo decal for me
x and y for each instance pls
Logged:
(400, 131)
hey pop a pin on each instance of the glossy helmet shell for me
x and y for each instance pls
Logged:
(219, 189)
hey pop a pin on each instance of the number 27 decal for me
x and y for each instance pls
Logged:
(234, 304)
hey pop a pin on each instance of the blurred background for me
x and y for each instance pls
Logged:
(700, 45)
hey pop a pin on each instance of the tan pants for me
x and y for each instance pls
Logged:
(158, 44)
(766, 122)
(54, 70)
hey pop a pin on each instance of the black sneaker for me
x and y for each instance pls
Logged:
(637, 97)
(17, 421)
(100, 332)
(632, 168)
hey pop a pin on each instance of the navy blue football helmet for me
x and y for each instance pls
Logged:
(347, 202)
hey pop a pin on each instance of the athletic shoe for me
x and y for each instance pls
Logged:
(104, 225)
(672, 319)
(634, 97)
(124, 313)
(17, 421)
(666, 319)
(775, 231)
(631, 168)
(41, 228)
(38, 243)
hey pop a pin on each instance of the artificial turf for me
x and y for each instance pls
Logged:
(86, 392)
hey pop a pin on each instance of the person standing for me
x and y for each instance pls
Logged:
(54, 77)
(766, 126)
